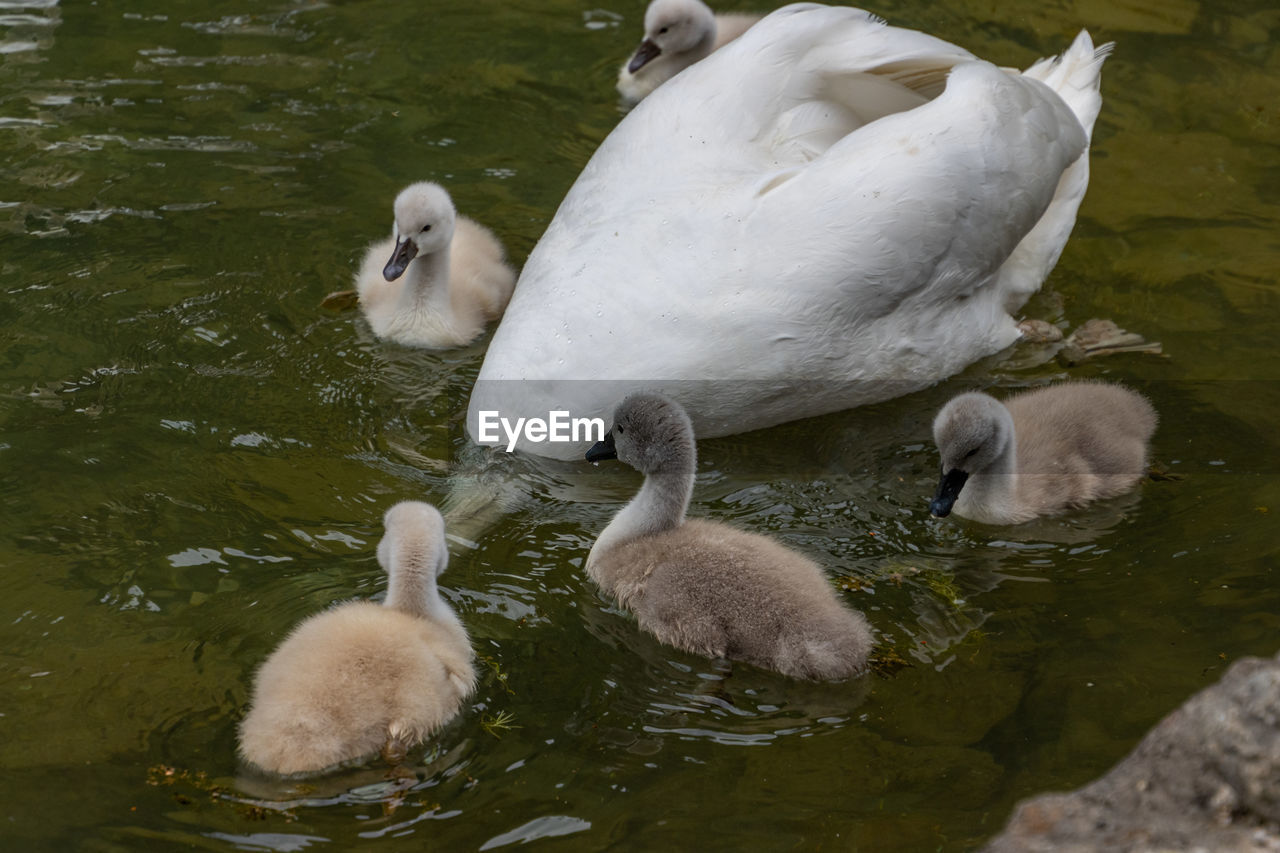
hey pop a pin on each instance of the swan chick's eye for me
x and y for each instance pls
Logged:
(426, 228)
(971, 453)
(663, 31)
(619, 429)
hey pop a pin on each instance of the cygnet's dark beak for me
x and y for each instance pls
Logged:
(404, 252)
(948, 490)
(603, 449)
(645, 53)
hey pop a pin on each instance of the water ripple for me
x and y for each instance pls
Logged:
(262, 59)
(29, 20)
(212, 144)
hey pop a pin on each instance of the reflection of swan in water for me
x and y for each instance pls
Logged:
(663, 695)
(29, 32)
(351, 786)
(946, 586)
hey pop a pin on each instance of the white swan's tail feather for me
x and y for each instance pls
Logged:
(1076, 75)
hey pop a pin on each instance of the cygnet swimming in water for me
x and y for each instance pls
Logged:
(677, 33)
(1041, 452)
(366, 677)
(706, 587)
(439, 279)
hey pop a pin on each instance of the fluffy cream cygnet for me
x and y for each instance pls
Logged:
(677, 33)
(362, 677)
(446, 277)
(1041, 452)
(706, 587)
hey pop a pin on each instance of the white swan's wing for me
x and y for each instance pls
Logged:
(928, 203)
(907, 224)
(878, 259)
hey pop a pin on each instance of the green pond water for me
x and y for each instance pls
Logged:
(194, 455)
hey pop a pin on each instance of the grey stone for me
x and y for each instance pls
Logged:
(1206, 778)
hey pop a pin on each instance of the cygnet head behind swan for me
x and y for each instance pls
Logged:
(972, 431)
(425, 219)
(651, 433)
(674, 27)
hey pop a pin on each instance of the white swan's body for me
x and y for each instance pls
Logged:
(795, 221)
(362, 678)
(1041, 452)
(706, 587)
(677, 33)
(439, 279)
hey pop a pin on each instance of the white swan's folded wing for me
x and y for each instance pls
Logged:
(927, 204)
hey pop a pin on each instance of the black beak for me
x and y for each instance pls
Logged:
(603, 449)
(404, 252)
(948, 490)
(645, 53)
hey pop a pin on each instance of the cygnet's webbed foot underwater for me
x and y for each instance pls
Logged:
(341, 300)
(1091, 339)
(1098, 337)
(394, 751)
(1039, 332)
(1161, 473)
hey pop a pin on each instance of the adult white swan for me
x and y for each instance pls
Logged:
(826, 212)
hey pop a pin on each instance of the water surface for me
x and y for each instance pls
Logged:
(194, 455)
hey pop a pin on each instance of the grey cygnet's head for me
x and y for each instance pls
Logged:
(651, 433)
(972, 431)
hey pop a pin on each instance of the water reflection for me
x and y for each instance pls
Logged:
(358, 786)
(29, 26)
(652, 695)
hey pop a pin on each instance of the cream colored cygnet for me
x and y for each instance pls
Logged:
(677, 33)
(439, 279)
(362, 677)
